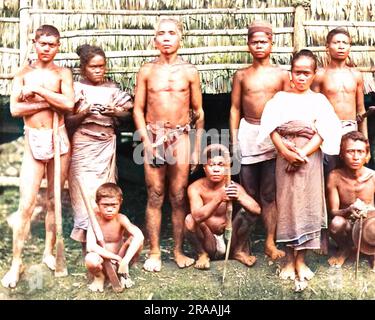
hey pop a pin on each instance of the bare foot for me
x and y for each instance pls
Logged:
(49, 261)
(98, 283)
(12, 276)
(182, 260)
(300, 285)
(274, 253)
(126, 282)
(288, 272)
(304, 272)
(244, 258)
(153, 263)
(339, 258)
(203, 262)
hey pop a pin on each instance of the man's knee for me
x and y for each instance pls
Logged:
(26, 206)
(93, 262)
(155, 197)
(337, 225)
(190, 223)
(178, 198)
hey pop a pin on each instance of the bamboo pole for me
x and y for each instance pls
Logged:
(24, 29)
(166, 12)
(204, 67)
(10, 51)
(299, 37)
(9, 20)
(150, 32)
(312, 23)
(61, 269)
(199, 50)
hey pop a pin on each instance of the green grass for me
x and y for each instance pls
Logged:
(259, 282)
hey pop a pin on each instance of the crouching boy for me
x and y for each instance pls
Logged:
(123, 240)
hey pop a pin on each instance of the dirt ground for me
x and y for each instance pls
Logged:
(259, 282)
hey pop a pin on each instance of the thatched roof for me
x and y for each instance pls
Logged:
(214, 40)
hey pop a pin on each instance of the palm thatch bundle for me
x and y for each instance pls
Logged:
(9, 8)
(9, 34)
(123, 27)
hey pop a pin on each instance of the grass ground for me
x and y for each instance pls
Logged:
(257, 283)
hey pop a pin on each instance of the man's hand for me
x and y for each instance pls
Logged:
(232, 191)
(358, 209)
(28, 92)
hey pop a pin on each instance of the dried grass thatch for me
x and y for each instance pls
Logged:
(125, 26)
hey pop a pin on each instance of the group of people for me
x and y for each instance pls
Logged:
(286, 128)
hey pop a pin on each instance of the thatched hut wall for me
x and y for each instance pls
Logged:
(214, 40)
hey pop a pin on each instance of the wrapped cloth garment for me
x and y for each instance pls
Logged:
(163, 137)
(94, 163)
(250, 151)
(300, 197)
(41, 142)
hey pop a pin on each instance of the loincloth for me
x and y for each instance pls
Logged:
(348, 126)
(251, 152)
(220, 246)
(163, 138)
(41, 142)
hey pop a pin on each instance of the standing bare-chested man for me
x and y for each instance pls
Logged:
(166, 89)
(252, 88)
(39, 90)
(342, 85)
(349, 188)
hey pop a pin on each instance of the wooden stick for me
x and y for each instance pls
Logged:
(61, 269)
(228, 228)
(359, 245)
(107, 264)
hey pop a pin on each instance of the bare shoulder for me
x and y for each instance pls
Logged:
(240, 73)
(196, 186)
(279, 70)
(146, 68)
(334, 176)
(190, 69)
(65, 73)
(320, 73)
(357, 74)
(123, 219)
(23, 70)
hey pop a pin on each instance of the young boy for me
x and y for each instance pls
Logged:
(342, 85)
(252, 88)
(123, 240)
(208, 201)
(346, 186)
(39, 89)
